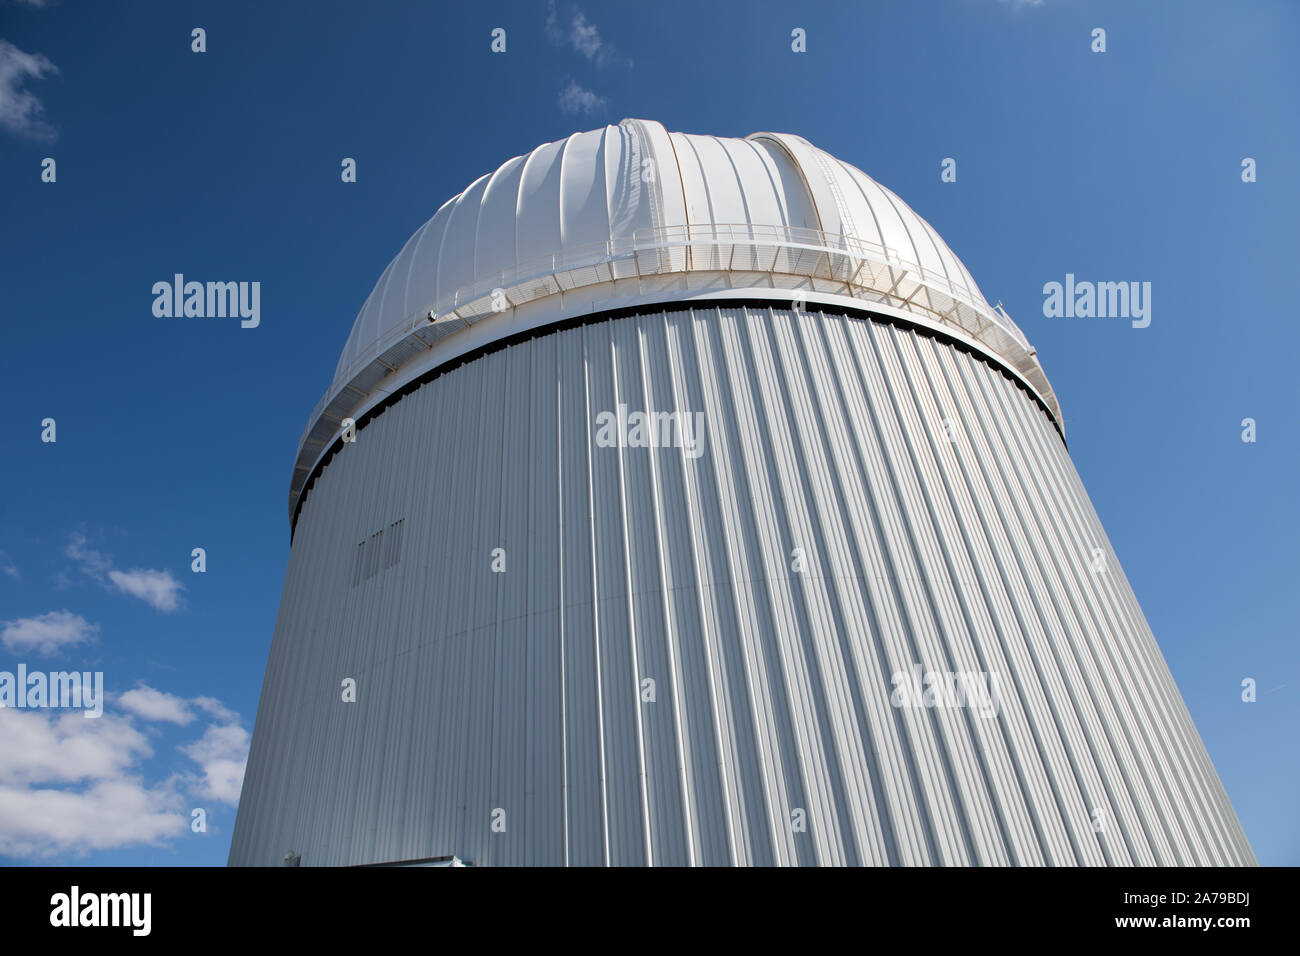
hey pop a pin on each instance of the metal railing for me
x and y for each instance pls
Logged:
(862, 269)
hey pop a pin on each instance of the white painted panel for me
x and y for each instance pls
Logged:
(584, 205)
(494, 240)
(537, 230)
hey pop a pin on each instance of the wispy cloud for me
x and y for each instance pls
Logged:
(573, 29)
(214, 707)
(47, 634)
(577, 99)
(7, 567)
(159, 589)
(150, 704)
(21, 111)
(92, 563)
(585, 38)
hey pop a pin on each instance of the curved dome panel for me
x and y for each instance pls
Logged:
(609, 217)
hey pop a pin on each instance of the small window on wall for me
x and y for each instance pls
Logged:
(378, 552)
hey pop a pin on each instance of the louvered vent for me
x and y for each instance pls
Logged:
(377, 553)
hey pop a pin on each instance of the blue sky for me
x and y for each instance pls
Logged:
(1123, 165)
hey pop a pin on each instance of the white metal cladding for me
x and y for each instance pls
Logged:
(591, 222)
(942, 523)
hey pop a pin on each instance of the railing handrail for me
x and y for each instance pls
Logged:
(654, 239)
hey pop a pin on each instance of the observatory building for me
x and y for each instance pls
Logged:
(681, 500)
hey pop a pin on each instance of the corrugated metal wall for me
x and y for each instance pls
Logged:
(939, 522)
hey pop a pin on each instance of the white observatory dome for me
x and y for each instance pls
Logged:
(699, 510)
(633, 214)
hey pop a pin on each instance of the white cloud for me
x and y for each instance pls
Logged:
(72, 785)
(221, 753)
(67, 784)
(211, 705)
(151, 704)
(21, 112)
(93, 564)
(159, 589)
(106, 815)
(584, 36)
(50, 746)
(553, 29)
(8, 567)
(576, 99)
(48, 634)
(580, 34)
